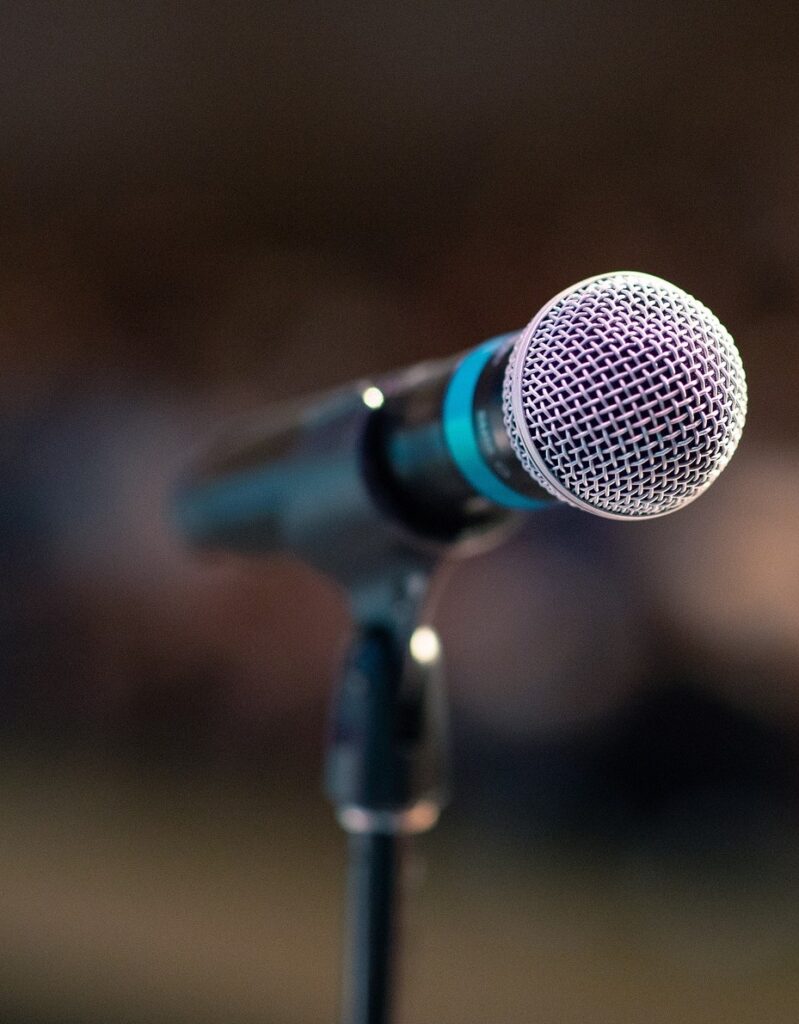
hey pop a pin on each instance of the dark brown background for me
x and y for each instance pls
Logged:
(207, 207)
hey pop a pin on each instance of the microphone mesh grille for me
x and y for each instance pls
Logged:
(625, 396)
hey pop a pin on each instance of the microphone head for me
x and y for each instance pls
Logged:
(625, 396)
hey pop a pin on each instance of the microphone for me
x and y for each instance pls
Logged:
(624, 397)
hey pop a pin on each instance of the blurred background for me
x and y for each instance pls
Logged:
(207, 207)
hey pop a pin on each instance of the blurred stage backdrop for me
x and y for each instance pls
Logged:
(207, 207)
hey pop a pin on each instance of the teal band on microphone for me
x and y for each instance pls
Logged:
(460, 434)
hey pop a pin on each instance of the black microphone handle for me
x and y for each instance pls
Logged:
(339, 482)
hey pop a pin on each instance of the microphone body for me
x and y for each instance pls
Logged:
(379, 466)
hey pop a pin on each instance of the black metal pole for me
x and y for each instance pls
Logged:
(385, 773)
(373, 907)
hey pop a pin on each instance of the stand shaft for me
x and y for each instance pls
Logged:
(373, 924)
(385, 774)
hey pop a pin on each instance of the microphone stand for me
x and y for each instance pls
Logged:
(385, 773)
(376, 533)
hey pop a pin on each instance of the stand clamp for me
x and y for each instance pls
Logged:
(386, 774)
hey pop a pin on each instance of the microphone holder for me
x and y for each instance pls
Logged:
(386, 771)
(320, 485)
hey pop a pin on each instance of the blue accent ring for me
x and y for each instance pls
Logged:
(459, 430)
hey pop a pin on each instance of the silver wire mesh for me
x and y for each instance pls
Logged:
(625, 396)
